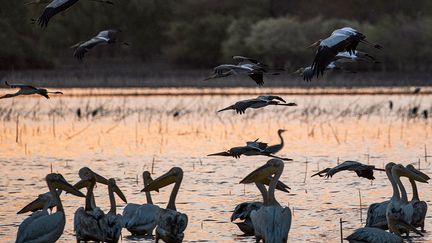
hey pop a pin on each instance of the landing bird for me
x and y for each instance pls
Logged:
(362, 170)
(28, 90)
(104, 37)
(251, 149)
(338, 63)
(243, 210)
(140, 219)
(48, 227)
(55, 7)
(345, 39)
(258, 102)
(271, 222)
(171, 224)
(247, 66)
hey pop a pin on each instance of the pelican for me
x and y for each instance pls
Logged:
(420, 207)
(362, 170)
(55, 7)
(338, 63)
(248, 66)
(112, 223)
(398, 209)
(48, 227)
(251, 149)
(171, 224)
(344, 39)
(88, 219)
(243, 210)
(373, 235)
(271, 222)
(258, 102)
(140, 219)
(103, 37)
(28, 90)
(43, 200)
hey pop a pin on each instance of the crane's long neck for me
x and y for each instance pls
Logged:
(396, 196)
(263, 191)
(90, 197)
(112, 200)
(176, 188)
(56, 197)
(415, 196)
(272, 186)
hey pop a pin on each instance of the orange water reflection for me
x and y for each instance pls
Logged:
(119, 137)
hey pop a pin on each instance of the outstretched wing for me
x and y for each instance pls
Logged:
(362, 170)
(86, 46)
(244, 60)
(258, 78)
(55, 7)
(20, 86)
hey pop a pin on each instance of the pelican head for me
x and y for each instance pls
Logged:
(38, 203)
(402, 171)
(264, 171)
(59, 182)
(411, 168)
(112, 183)
(86, 174)
(172, 176)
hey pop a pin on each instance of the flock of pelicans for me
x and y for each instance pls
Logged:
(266, 219)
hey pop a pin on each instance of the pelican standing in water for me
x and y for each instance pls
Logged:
(140, 219)
(256, 103)
(88, 219)
(113, 221)
(243, 210)
(171, 224)
(399, 210)
(271, 222)
(28, 90)
(420, 207)
(48, 227)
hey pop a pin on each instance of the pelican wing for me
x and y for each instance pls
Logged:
(258, 78)
(87, 224)
(376, 215)
(140, 219)
(55, 7)
(272, 223)
(171, 225)
(46, 228)
(271, 97)
(243, 210)
(24, 225)
(373, 235)
(241, 106)
(419, 215)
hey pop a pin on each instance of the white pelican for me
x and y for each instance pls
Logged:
(362, 170)
(140, 219)
(251, 149)
(28, 90)
(345, 39)
(376, 214)
(248, 66)
(420, 207)
(170, 223)
(243, 210)
(113, 221)
(48, 227)
(373, 235)
(399, 210)
(271, 222)
(88, 219)
(256, 103)
(103, 37)
(57, 6)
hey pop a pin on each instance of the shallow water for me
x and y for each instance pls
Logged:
(121, 136)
